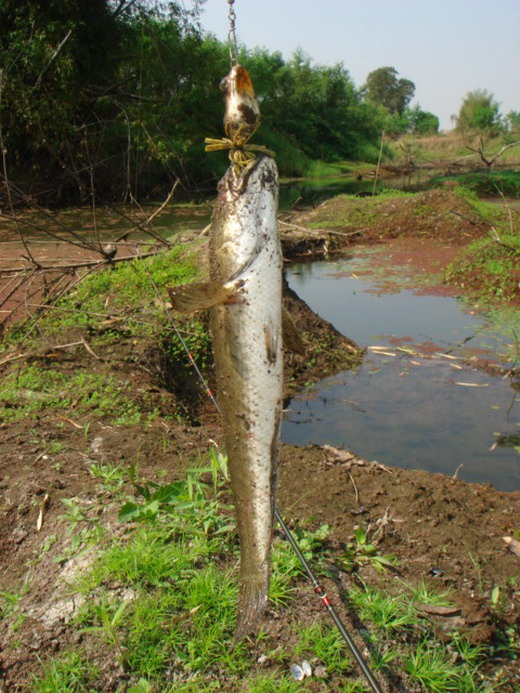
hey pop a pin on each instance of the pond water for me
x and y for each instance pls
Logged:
(311, 191)
(413, 403)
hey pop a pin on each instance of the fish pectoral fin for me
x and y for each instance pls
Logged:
(189, 298)
(291, 337)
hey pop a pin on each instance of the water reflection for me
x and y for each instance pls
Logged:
(408, 405)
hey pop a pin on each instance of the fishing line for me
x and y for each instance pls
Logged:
(318, 589)
(180, 337)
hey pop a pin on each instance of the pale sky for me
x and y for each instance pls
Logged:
(446, 47)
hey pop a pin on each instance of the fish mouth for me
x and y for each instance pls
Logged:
(239, 79)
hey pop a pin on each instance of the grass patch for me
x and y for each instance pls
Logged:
(33, 389)
(126, 290)
(73, 672)
(109, 309)
(486, 183)
(350, 211)
(319, 169)
(161, 600)
(489, 268)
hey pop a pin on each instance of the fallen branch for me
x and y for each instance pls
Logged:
(315, 231)
(78, 265)
(52, 59)
(480, 151)
(49, 349)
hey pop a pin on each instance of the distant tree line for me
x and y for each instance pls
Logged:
(118, 95)
(393, 94)
(481, 112)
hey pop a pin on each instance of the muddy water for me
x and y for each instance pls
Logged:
(421, 399)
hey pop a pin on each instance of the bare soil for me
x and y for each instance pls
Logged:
(442, 530)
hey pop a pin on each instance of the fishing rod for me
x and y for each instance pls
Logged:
(325, 600)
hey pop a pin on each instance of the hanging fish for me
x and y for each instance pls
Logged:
(245, 297)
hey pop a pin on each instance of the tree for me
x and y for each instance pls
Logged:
(422, 122)
(384, 88)
(513, 121)
(479, 111)
(316, 107)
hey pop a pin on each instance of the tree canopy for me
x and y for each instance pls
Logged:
(384, 88)
(479, 111)
(119, 95)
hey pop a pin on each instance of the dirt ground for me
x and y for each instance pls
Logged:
(442, 530)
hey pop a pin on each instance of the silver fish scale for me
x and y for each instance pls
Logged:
(247, 343)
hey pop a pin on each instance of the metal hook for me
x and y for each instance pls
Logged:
(232, 39)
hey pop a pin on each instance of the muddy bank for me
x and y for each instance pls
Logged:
(442, 532)
(340, 222)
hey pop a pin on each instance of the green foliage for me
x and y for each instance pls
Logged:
(433, 668)
(361, 551)
(488, 183)
(125, 99)
(326, 644)
(422, 122)
(512, 121)
(72, 672)
(35, 389)
(479, 111)
(489, 267)
(162, 599)
(384, 88)
(316, 107)
(9, 601)
(421, 593)
(387, 613)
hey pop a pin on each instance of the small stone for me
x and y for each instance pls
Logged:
(306, 668)
(96, 444)
(297, 672)
(320, 672)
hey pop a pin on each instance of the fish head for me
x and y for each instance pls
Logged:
(237, 83)
(242, 116)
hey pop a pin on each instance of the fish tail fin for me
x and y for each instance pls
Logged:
(252, 603)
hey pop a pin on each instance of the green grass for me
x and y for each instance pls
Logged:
(351, 212)
(116, 303)
(318, 169)
(488, 269)
(161, 602)
(70, 673)
(128, 288)
(110, 308)
(30, 391)
(385, 612)
(487, 183)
